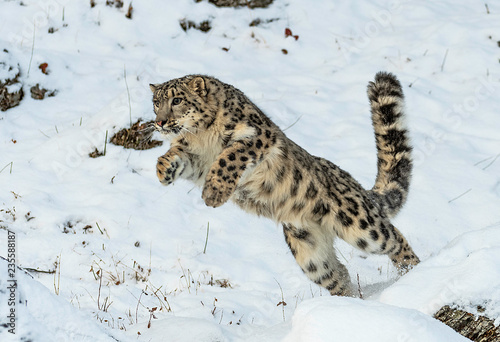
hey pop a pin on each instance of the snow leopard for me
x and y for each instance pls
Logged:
(225, 144)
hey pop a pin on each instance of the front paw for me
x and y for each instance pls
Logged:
(216, 193)
(168, 168)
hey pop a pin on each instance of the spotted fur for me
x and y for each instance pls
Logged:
(224, 143)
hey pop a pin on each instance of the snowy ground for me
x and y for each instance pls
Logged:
(141, 271)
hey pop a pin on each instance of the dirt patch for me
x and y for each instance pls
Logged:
(10, 99)
(258, 21)
(241, 3)
(137, 137)
(11, 88)
(224, 283)
(119, 4)
(96, 153)
(204, 26)
(76, 226)
(111, 3)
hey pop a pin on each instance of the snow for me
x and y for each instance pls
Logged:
(368, 321)
(45, 317)
(142, 261)
(8, 68)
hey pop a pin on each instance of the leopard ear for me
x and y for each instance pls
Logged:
(153, 87)
(197, 85)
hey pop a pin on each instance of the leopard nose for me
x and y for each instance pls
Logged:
(161, 123)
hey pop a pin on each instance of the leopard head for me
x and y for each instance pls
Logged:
(182, 106)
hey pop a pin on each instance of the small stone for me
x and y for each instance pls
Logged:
(39, 93)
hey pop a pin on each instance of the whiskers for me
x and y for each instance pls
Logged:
(145, 133)
(146, 127)
(184, 130)
(170, 130)
(138, 137)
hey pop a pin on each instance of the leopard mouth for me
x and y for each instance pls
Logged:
(167, 128)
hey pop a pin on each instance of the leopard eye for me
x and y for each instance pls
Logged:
(176, 101)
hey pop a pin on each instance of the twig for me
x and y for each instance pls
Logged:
(359, 288)
(103, 229)
(206, 240)
(292, 123)
(487, 9)
(29, 269)
(191, 280)
(128, 94)
(444, 60)
(58, 272)
(151, 315)
(169, 308)
(282, 303)
(487, 166)
(105, 142)
(185, 277)
(44, 133)
(99, 293)
(129, 11)
(32, 49)
(97, 224)
(106, 305)
(137, 307)
(150, 248)
(342, 255)
(459, 196)
(6, 167)
(221, 315)
(481, 161)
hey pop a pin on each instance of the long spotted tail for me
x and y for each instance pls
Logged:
(393, 145)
